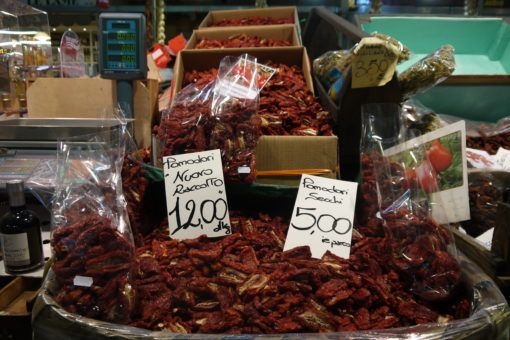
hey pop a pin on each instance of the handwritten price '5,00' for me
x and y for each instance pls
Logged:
(375, 68)
(325, 222)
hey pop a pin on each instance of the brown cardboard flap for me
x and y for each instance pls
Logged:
(295, 152)
(201, 60)
(93, 98)
(273, 12)
(280, 32)
(145, 104)
(71, 98)
(14, 296)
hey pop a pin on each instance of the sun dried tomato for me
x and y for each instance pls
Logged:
(241, 40)
(254, 21)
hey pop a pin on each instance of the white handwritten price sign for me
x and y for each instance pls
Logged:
(195, 195)
(374, 63)
(323, 216)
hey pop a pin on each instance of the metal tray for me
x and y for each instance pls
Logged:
(44, 133)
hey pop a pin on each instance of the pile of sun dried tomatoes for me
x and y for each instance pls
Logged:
(241, 40)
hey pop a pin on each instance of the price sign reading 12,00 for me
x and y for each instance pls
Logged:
(195, 195)
(121, 44)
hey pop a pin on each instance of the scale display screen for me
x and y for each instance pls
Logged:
(122, 48)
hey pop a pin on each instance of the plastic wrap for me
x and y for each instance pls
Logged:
(91, 237)
(237, 127)
(219, 114)
(489, 320)
(419, 118)
(395, 191)
(428, 72)
(331, 67)
(486, 190)
(484, 136)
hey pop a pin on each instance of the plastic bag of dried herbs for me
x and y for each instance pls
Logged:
(429, 71)
(419, 118)
(331, 67)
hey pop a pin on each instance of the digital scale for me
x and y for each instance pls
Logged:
(122, 53)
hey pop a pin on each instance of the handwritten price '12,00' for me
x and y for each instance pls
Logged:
(207, 212)
(375, 69)
(325, 222)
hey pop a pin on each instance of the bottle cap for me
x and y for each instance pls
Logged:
(16, 193)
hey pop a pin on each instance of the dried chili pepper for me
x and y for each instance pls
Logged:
(254, 21)
(241, 40)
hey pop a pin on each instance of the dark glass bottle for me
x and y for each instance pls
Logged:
(20, 233)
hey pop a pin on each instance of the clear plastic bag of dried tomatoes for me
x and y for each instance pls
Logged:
(236, 127)
(394, 189)
(484, 135)
(486, 190)
(91, 237)
(220, 115)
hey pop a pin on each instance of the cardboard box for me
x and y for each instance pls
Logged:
(272, 152)
(201, 60)
(71, 97)
(280, 32)
(295, 152)
(274, 12)
(92, 98)
(16, 301)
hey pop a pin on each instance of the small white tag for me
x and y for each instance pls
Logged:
(323, 216)
(156, 54)
(503, 159)
(486, 239)
(243, 170)
(196, 198)
(83, 281)
(479, 159)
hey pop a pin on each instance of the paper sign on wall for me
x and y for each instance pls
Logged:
(323, 216)
(195, 195)
(446, 150)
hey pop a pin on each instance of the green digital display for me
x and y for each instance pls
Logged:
(122, 46)
(120, 49)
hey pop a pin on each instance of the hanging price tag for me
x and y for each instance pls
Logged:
(374, 63)
(195, 195)
(323, 216)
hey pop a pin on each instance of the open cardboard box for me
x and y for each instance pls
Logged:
(295, 152)
(92, 98)
(202, 60)
(272, 152)
(274, 12)
(280, 32)
(16, 300)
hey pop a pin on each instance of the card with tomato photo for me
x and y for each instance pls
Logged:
(436, 164)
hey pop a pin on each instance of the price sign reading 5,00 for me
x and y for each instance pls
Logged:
(322, 216)
(306, 219)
